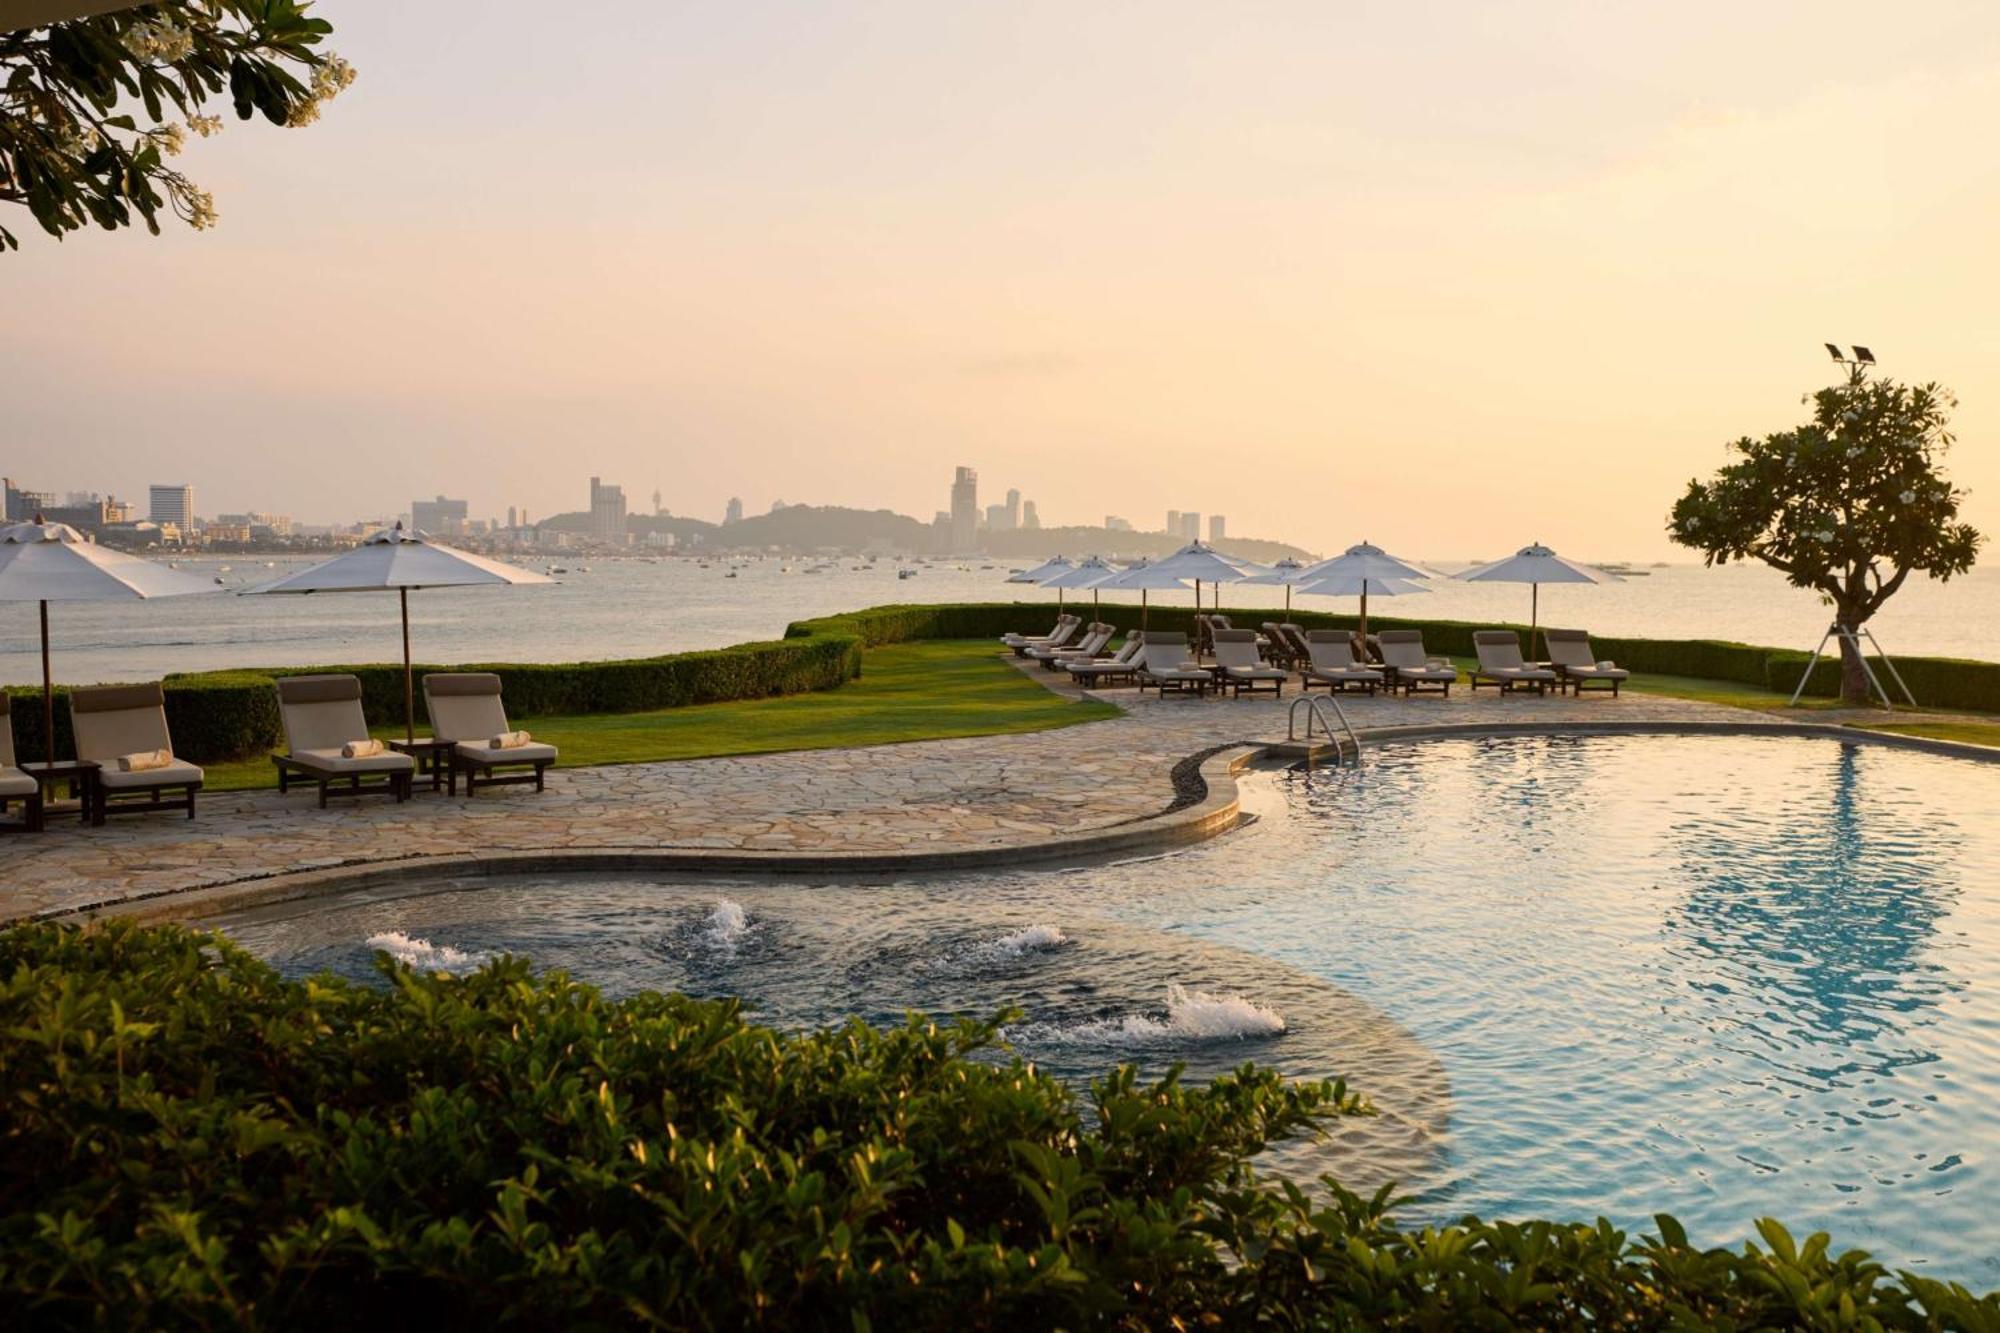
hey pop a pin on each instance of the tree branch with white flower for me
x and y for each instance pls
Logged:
(1831, 504)
(91, 110)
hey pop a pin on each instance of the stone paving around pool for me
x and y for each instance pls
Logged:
(976, 793)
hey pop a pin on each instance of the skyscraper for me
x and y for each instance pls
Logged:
(1030, 520)
(439, 517)
(996, 518)
(1173, 522)
(965, 510)
(1218, 529)
(607, 512)
(733, 512)
(172, 504)
(1191, 526)
(1013, 509)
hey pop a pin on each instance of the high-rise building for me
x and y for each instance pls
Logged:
(171, 504)
(659, 510)
(23, 505)
(733, 512)
(607, 512)
(1191, 526)
(965, 510)
(996, 518)
(439, 517)
(1114, 523)
(1030, 520)
(1173, 522)
(1013, 509)
(512, 519)
(1218, 529)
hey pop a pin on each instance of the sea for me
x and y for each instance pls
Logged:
(621, 607)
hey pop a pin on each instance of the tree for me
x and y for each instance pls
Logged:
(1850, 504)
(92, 109)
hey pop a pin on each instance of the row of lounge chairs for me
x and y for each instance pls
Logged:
(127, 761)
(1247, 663)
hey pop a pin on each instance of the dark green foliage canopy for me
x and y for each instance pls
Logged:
(91, 110)
(191, 1141)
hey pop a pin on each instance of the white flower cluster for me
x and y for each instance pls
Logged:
(159, 39)
(205, 125)
(201, 209)
(331, 76)
(172, 138)
(75, 140)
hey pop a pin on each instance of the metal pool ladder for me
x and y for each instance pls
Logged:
(1312, 703)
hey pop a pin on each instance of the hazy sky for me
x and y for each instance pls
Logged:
(1448, 276)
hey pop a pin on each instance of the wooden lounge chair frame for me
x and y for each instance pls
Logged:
(479, 772)
(31, 799)
(298, 692)
(1507, 677)
(127, 719)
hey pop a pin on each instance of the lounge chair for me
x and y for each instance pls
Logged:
(1408, 667)
(465, 708)
(1121, 665)
(1571, 658)
(1062, 636)
(322, 716)
(1332, 663)
(1295, 642)
(1064, 623)
(1095, 636)
(1501, 664)
(114, 725)
(1278, 646)
(1167, 665)
(14, 784)
(1239, 666)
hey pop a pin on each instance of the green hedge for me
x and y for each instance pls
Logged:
(229, 714)
(193, 1142)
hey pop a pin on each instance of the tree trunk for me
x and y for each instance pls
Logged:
(1852, 613)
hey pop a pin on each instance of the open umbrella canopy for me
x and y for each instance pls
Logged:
(1359, 587)
(1534, 564)
(395, 560)
(1043, 572)
(1287, 572)
(1366, 561)
(53, 562)
(1203, 563)
(1146, 579)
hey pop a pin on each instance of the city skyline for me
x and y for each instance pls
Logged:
(1328, 273)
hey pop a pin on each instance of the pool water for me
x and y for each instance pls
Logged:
(1718, 977)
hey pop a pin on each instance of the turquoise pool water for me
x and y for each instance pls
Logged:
(1722, 978)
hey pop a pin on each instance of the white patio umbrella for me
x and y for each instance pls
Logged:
(400, 561)
(53, 562)
(1338, 586)
(1043, 572)
(1088, 574)
(1534, 565)
(1287, 572)
(1146, 578)
(1367, 563)
(1201, 562)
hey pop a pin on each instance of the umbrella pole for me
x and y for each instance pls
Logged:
(1534, 617)
(48, 695)
(1142, 610)
(1364, 609)
(409, 688)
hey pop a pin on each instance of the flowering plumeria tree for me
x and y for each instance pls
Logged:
(93, 109)
(1850, 504)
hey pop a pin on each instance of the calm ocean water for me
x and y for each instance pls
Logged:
(634, 608)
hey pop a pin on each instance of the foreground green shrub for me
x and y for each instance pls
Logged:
(192, 1141)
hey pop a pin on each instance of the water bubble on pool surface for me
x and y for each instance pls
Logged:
(1196, 1016)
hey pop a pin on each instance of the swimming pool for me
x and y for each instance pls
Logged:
(1722, 978)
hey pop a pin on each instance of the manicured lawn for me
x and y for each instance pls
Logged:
(1723, 692)
(907, 692)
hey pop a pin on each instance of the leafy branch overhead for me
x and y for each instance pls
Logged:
(93, 110)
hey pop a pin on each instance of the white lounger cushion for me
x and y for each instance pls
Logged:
(332, 761)
(176, 774)
(14, 783)
(532, 753)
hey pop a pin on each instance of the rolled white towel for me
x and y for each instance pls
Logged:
(509, 740)
(144, 760)
(367, 749)
(1607, 665)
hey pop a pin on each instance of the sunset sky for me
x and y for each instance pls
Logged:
(1451, 276)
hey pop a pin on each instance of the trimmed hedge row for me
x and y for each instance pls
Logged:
(219, 715)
